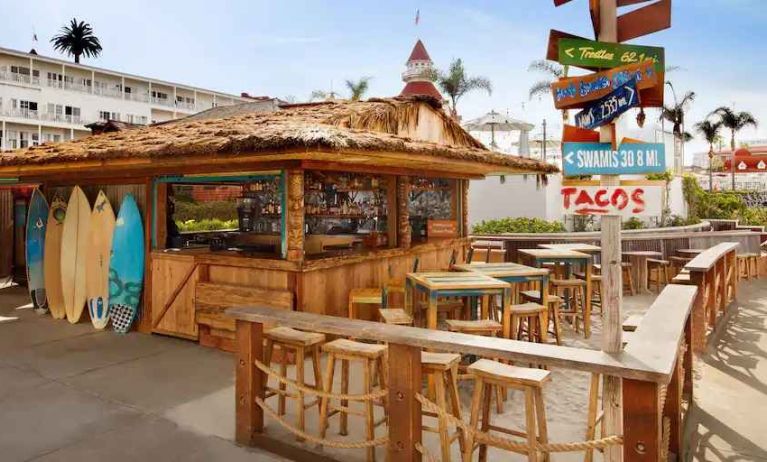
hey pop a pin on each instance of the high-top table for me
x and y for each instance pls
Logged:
(537, 257)
(514, 273)
(456, 284)
(638, 259)
(574, 246)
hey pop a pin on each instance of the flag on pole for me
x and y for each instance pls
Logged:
(417, 16)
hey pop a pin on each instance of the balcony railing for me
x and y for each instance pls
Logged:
(62, 118)
(185, 105)
(140, 97)
(23, 113)
(77, 86)
(15, 77)
(162, 101)
(106, 91)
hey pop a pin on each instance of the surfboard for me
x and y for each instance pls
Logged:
(74, 245)
(52, 264)
(126, 267)
(37, 218)
(102, 227)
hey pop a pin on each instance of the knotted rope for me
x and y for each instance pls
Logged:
(515, 446)
(308, 390)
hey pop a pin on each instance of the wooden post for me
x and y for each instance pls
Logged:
(688, 358)
(712, 285)
(465, 208)
(250, 382)
(295, 210)
(641, 422)
(144, 324)
(612, 286)
(404, 408)
(404, 238)
(392, 225)
(698, 315)
(672, 409)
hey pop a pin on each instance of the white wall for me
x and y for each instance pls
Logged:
(517, 197)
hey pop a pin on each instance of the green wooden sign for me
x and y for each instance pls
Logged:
(598, 55)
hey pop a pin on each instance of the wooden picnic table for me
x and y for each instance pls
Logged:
(638, 259)
(537, 257)
(456, 284)
(690, 252)
(515, 273)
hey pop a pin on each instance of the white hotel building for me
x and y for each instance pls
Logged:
(48, 100)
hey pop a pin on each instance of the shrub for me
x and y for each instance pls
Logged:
(633, 223)
(517, 225)
(199, 211)
(213, 224)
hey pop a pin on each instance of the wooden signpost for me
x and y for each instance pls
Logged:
(593, 55)
(576, 92)
(607, 108)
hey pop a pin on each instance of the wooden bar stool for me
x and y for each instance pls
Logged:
(396, 316)
(628, 279)
(677, 264)
(486, 328)
(657, 273)
(596, 288)
(372, 357)
(554, 302)
(528, 321)
(363, 296)
(489, 373)
(304, 344)
(443, 368)
(574, 303)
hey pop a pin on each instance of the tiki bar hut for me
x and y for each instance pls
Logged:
(309, 201)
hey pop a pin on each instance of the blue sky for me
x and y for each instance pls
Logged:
(283, 48)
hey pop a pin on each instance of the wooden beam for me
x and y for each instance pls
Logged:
(672, 410)
(404, 237)
(641, 422)
(250, 383)
(404, 408)
(392, 218)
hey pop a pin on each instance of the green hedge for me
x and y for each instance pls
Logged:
(200, 211)
(517, 225)
(723, 205)
(205, 225)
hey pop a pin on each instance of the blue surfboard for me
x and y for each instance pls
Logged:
(126, 266)
(37, 218)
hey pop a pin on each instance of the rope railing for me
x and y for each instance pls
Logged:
(322, 394)
(515, 446)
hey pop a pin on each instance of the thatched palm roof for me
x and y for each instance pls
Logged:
(332, 127)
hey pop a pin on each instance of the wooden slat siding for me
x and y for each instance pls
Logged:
(6, 232)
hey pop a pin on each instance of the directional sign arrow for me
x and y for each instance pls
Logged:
(569, 157)
(569, 52)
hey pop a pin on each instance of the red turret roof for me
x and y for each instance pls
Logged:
(419, 53)
(421, 88)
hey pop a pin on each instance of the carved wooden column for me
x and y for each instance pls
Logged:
(403, 213)
(465, 208)
(295, 210)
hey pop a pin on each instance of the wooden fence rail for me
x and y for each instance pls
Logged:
(651, 368)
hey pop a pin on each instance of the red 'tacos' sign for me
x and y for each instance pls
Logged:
(618, 200)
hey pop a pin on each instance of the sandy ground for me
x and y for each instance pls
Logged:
(70, 393)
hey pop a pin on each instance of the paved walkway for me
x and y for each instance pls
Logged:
(70, 393)
(729, 419)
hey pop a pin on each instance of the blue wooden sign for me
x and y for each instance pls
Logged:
(607, 108)
(600, 159)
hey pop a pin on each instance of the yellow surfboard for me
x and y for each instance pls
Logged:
(102, 227)
(52, 262)
(74, 245)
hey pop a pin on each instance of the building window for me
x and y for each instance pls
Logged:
(103, 115)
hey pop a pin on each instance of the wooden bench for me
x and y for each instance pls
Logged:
(211, 300)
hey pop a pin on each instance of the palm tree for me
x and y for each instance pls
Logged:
(675, 115)
(358, 88)
(710, 131)
(77, 39)
(735, 121)
(456, 83)
(543, 87)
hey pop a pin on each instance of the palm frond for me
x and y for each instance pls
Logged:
(547, 67)
(540, 88)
